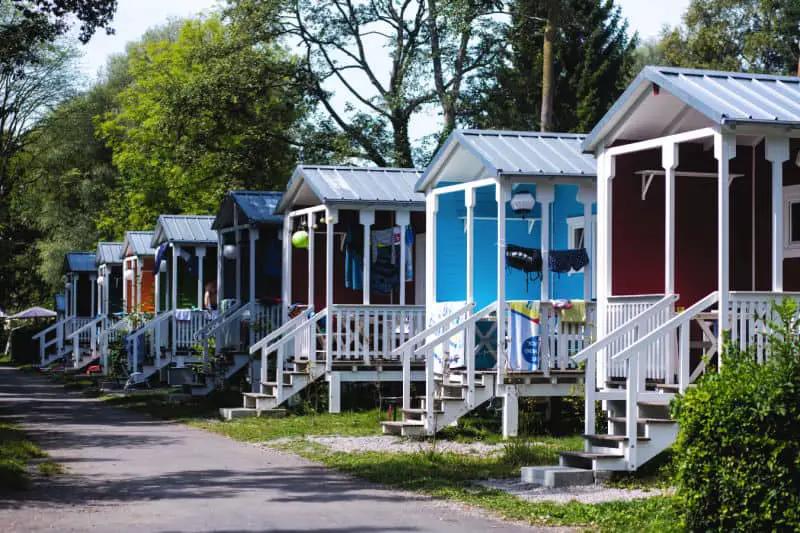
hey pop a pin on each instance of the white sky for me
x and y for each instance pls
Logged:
(134, 17)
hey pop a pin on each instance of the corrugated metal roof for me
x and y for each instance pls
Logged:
(343, 185)
(188, 229)
(723, 97)
(514, 152)
(79, 262)
(258, 207)
(108, 253)
(138, 243)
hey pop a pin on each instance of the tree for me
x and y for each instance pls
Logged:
(205, 113)
(389, 60)
(747, 35)
(593, 59)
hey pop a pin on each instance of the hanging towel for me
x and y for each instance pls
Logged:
(409, 260)
(384, 275)
(381, 239)
(354, 260)
(159, 257)
(524, 319)
(528, 260)
(574, 314)
(183, 315)
(563, 261)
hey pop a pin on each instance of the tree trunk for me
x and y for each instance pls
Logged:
(548, 81)
(402, 144)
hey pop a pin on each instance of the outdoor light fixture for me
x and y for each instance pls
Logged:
(100, 280)
(162, 266)
(522, 203)
(68, 285)
(229, 251)
(300, 237)
(129, 274)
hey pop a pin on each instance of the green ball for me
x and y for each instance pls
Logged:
(300, 239)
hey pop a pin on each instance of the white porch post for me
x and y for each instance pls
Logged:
(469, 203)
(238, 259)
(200, 252)
(105, 288)
(310, 223)
(137, 275)
(176, 250)
(286, 265)
(605, 177)
(509, 397)
(669, 160)
(777, 151)
(93, 287)
(587, 195)
(126, 304)
(75, 279)
(367, 218)
(545, 194)
(253, 235)
(157, 289)
(431, 208)
(403, 219)
(220, 268)
(724, 151)
(333, 388)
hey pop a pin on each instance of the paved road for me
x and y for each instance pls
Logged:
(130, 473)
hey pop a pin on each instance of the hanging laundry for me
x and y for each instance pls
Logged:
(191, 261)
(524, 319)
(575, 313)
(159, 257)
(384, 274)
(354, 260)
(563, 261)
(409, 247)
(528, 260)
(383, 238)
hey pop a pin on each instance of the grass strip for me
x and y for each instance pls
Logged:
(16, 451)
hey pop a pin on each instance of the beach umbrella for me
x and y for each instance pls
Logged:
(33, 312)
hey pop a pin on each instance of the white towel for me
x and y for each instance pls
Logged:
(183, 315)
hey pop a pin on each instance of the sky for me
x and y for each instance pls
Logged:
(134, 17)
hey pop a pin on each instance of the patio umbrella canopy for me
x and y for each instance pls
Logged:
(34, 312)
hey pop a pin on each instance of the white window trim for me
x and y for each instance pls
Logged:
(574, 223)
(791, 195)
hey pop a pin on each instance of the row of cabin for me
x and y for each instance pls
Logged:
(502, 269)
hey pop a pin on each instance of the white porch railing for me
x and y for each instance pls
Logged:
(188, 327)
(369, 332)
(621, 309)
(112, 332)
(228, 329)
(750, 315)
(154, 335)
(52, 339)
(88, 332)
(560, 340)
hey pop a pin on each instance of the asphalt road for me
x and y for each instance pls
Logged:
(130, 473)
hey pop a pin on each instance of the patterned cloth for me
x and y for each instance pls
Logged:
(524, 319)
(563, 261)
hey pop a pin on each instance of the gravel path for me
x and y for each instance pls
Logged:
(132, 474)
(392, 444)
(582, 494)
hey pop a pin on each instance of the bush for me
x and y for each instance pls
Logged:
(738, 452)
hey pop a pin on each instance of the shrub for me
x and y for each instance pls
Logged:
(738, 452)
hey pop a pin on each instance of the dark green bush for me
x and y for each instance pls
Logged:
(738, 452)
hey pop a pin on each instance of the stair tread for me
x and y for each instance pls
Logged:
(622, 420)
(654, 404)
(420, 411)
(591, 455)
(615, 438)
(256, 395)
(404, 423)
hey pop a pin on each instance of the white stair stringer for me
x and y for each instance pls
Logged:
(239, 362)
(86, 359)
(49, 360)
(294, 382)
(149, 370)
(449, 404)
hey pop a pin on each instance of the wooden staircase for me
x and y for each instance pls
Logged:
(240, 360)
(450, 402)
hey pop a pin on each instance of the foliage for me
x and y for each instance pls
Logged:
(205, 113)
(117, 359)
(749, 35)
(16, 450)
(738, 449)
(593, 57)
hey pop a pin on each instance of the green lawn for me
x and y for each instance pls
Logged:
(15, 453)
(294, 426)
(156, 404)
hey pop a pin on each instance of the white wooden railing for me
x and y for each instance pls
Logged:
(211, 327)
(560, 340)
(110, 333)
(622, 309)
(155, 335)
(56, 335)
(227, 329)
(89, 332)
(185, 330)
(750, 315)
(369, 332)
(406, 351)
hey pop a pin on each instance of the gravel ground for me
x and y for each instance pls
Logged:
(392, 444)
(583, 494)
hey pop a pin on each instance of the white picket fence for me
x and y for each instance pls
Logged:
(367, 332)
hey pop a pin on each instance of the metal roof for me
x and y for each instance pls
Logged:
(108, 253)
(138, 243)
(186, 229)
(508, 153)
(257, 207)
(79, 262)
(722, 97)
(354, 185)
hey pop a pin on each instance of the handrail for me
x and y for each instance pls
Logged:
(51, 328)
(624, 329)
(387, 307)
(678, 320)
(224, 317)
(288, 327)
(308, 323)
(486, 311)
(86, 326)
(432, 329)
(161, 317)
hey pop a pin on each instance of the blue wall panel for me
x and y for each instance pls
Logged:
(452, 242)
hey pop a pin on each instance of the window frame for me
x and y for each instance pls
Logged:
(791, 196)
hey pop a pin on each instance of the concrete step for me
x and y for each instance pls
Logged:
(405, 429)
(642, 421)
(557, 476)
(585, 460)
(230, 413)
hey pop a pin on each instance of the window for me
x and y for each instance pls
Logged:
(791, 221)
(575, 231)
